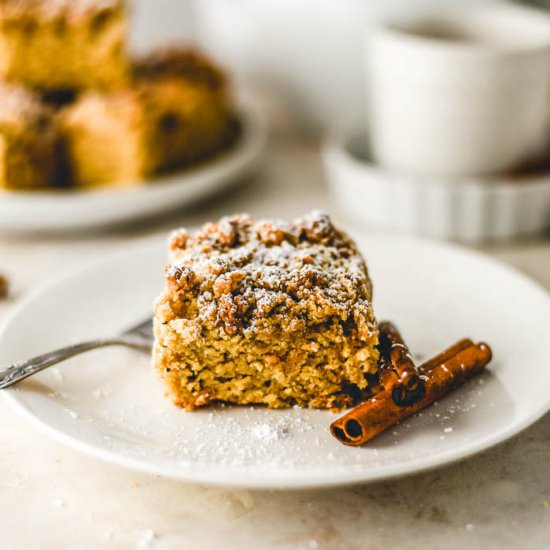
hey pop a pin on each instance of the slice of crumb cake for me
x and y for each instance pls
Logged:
(29, 141)
(62, 45)
(266, 313)
(177, 110)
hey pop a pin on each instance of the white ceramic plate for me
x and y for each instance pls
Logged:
(70, 210)
(109, 404)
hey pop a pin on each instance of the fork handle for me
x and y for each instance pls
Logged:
(23, 369)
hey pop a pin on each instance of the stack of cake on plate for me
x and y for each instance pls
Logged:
(76, 110)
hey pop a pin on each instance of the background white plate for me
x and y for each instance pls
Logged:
(66, 210)
(109, 404)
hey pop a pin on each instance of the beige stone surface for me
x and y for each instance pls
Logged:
(54, 498)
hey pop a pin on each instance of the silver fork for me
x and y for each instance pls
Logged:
(139, 337)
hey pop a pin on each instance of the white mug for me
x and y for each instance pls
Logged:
(459, 93)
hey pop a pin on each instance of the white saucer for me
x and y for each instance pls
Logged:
(70, 210)
(109, 404)
(468, 209)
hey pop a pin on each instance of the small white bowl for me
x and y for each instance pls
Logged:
(468, 209)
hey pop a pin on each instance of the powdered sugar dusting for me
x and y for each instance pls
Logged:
(248, 275)
(136, 421)
(267, 432)
(245, 436)
(146, 539)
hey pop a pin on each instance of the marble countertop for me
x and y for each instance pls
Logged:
(52, 497)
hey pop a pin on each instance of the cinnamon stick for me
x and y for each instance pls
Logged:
(445, 355)
(407, 383)
(394, 350)
(442, 374)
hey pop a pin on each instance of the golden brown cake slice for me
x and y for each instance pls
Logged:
(63, 44)
(164, 120)
(266, 313)
(28, 141)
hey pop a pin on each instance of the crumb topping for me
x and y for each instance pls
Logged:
(49, 9)
(251, 276)
(185, 63)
